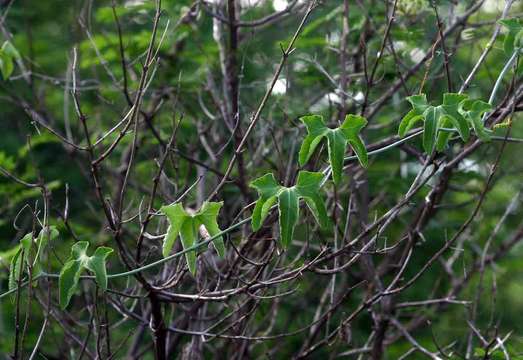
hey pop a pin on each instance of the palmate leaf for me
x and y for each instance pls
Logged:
(337, 140)
(186, 225)
(307, 188)
(450, 114)
(75, 265)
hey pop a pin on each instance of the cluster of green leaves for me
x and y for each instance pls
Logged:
(337, 139)
(456, 111)
(8, 55)
(28, 254)
(29, 257)
(186, 224)
(307, 188)
(76, 264)
(308, 184)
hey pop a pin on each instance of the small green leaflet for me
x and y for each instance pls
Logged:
(451, 118)
(514, 37)
(186, 225)
(452, 113)
(419, 105)
(473, 111)
(77, 262)
(337, 139)
(15, 269)
(8, 54)
(307, 188)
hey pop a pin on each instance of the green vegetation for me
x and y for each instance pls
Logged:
(344, 178)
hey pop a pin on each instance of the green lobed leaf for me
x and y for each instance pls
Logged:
(308, 186)
(185, 225)
(75, 265)
(337, 139)
(452, 113)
